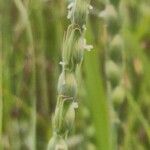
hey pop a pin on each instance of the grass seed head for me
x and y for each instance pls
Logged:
(109, 14)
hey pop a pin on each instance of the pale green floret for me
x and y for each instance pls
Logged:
(64, 117)
(118, 95)
(80, 46)
(79, 51)
(73, 48)
(57, 143)
(113, 73)
(70, 116)
(70, 41)
(67, 85)
(80, 12)
(109, 14)
(116, 50)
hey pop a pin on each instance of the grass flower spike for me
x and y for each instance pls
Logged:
(114, 62)
(73, 49)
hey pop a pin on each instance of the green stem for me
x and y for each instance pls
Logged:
(98, 102)
(1, 96)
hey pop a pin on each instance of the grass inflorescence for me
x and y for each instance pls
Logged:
(73, 48)
(114, 61)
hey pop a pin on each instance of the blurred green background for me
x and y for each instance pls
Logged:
(31, 37)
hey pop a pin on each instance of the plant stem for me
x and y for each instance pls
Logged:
(98, 102)
(1, 96)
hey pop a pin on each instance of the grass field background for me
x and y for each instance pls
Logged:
(31, 38)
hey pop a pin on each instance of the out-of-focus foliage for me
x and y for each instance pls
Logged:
(31, 34)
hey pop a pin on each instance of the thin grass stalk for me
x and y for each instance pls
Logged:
(30, 58)
(39, 36)
(72, 56)
(16, 69)
(6, 50)
(37, 20)
(1, 96)
(1, 103)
